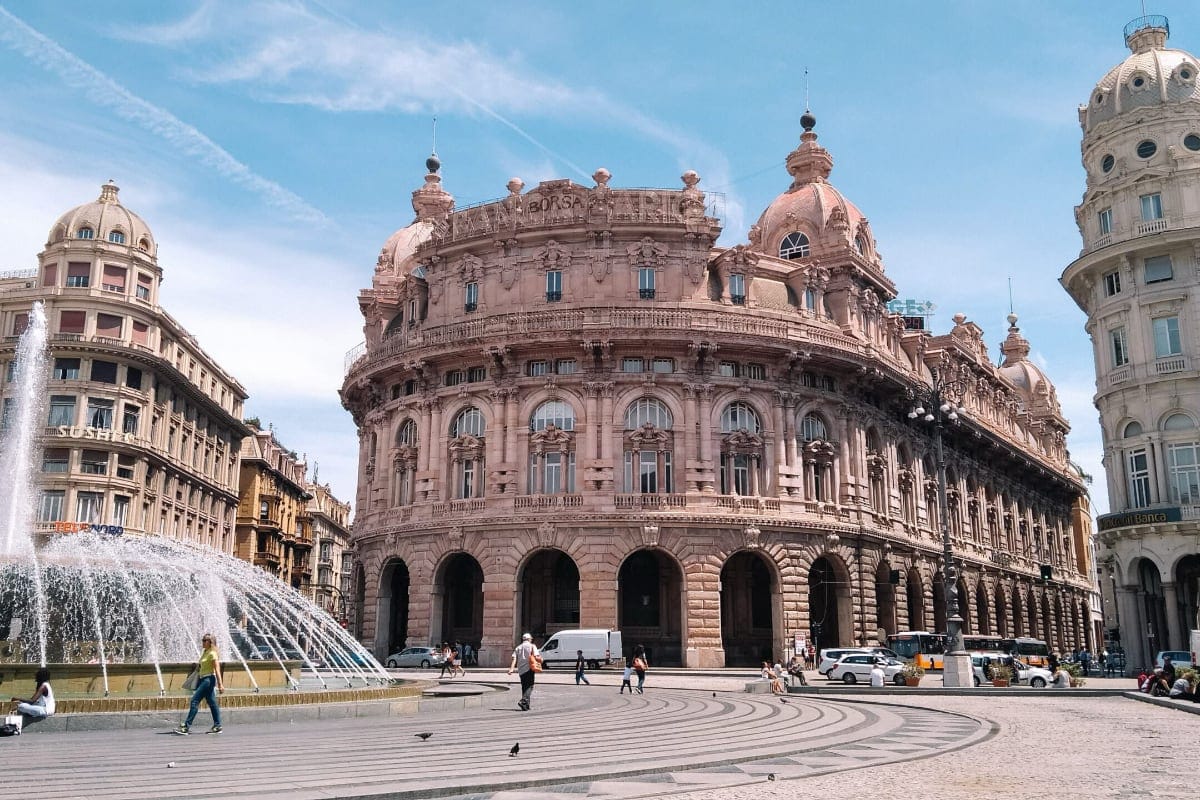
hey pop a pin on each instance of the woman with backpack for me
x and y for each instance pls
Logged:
(640, 666)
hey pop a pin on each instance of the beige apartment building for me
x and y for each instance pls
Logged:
(576, 410)
(330, 520)
(143, 428)
(274, 530)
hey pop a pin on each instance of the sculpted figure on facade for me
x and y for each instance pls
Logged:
(600, 199)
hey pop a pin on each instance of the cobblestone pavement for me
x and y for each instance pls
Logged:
(677, 741)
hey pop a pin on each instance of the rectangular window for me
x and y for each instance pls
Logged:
(78, 274)
(1105, 218)
(476, 374)
(125, 466)
(631, 365)
(114, 279)
(51, 509)
(120, 513)
(727, 369)
(66, 369)
(565, 366)
(130, 418)
(71, 321)
(99, 413)
(10, 371)
(737, 289)
(648, 471)
(4, 415)
(1151, 207)
(471, 296)
(56, 459)
(1183, 460)
(756, 372)
(50, 275)
(1120, 347)
(93, 462)
(553, 286)
(536, 368)
(109, 325)
(62, 411)
(455, 377)
(20, 323)
(264, 510)
(646, 283)
(1158, 268)
(89, 507)
(663, 366)
(133, 378)
(141, 333)
(1112, 283)
(104, 371)
(1139, 479)
(1166, 337)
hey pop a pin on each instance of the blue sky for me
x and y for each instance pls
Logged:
(273, 147)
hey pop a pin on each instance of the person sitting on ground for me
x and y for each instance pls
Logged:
(1061, 678)
(41, 705)
(1184, 688)
(1168, 670)
(877, 675)
(1157, 685)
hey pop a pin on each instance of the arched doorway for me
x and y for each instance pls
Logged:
(1035, 628)
(983, 623)
(1002, 628)
(1018, 612)
(549, 594)
(885, 599)
(747, 597)
(915, 591)
(1154, 607)
(649, 607)
(1047, 624)
(460, 591)
(829, 609)
(391, 627)
(1187, 589)
(939, 605)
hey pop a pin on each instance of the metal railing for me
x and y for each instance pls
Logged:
(1148, 21)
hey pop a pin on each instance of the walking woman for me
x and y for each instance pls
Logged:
(640, 666)
(208, 686)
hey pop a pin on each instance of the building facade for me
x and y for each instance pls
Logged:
(274, 529)
(143, 428)
(1138, 280)
(330, 521)
(575, 410)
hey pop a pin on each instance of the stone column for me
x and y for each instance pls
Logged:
(436, 459)
(705, 433)
(499, 614)
(703, 647)
(590, 445)
(511, 426)
(778, 465)
(1175, 638)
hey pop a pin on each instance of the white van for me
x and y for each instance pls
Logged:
(600, 647)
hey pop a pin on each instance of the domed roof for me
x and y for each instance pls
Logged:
(1035, 388)
(811, 206)
(432, 203)
(104, 219)
(1152, 75)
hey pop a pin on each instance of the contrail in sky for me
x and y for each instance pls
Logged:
(102, 89)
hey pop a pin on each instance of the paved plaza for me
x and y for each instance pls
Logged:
(676, 740)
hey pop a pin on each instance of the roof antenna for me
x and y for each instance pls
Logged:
(807, 107)
(1010, 296)
(435, 134)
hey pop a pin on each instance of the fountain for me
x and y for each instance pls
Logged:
(114, 614)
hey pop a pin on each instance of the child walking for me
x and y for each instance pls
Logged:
(627, 677)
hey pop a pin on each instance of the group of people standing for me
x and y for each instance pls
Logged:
(527, 662)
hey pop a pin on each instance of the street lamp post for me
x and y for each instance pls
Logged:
(939, 404)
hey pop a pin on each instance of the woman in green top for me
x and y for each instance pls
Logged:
(207, 687)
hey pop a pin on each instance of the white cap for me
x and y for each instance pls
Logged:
(526, 637)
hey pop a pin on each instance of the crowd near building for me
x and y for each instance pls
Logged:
(576, 410)
(1137, 278)
(144, 432)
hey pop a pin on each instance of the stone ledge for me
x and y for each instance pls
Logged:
(1186, 706)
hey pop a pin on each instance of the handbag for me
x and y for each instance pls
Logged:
(535, 662)
(193, 677)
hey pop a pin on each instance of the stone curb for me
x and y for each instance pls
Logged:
(923, 691)
(1185, 706)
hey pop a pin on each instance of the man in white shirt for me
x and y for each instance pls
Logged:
(522, 662)
(877, 676)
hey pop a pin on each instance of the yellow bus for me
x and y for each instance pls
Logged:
(1034, 652)
(922, 648)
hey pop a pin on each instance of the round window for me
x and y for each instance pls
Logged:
(1099, 98)
(1107, 163)
(1146, 149)
(1139, 82)
(1186, 74)
(1191, 141)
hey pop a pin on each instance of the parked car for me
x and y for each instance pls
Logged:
(981, 663)
(831, 655)
(1182, 659)
(855, 667)
(424, 657)
(348, 659)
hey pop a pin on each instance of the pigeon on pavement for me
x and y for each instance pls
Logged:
(423, 736)
(516, 748)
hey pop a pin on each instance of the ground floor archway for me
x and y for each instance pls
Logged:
(459, 592)
(549, 600)
(649, 606)
(392, 615)
(915, 594)
(747, 613)
(830, 610)
(885, 598)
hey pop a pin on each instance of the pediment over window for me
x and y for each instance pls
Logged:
(551, 438)
(742, 441)
(648, 436)
(467, 446)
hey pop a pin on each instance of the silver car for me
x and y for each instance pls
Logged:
(424, 657)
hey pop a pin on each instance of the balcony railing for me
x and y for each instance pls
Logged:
(1165, 366)
(650, 501)
(546, 502)
(1153, 226)
(1118, 376)
(460, 506)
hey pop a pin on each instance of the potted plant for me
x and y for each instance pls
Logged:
(912, 672)
(1076, 673)
(1001, 675)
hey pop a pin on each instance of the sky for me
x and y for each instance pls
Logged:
(273, 147)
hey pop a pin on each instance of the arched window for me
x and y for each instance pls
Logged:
(877, 471)
(1178, 422)
(906, 480)
(553, 412)
(116, 237)
(818, 455)
(1132, 429)
(404, 462)
(1183, 460)
(467, 453)
(794, 245)
(860, 245)
(85, 233)
(741, 450)
(649, 444)
(144, 245)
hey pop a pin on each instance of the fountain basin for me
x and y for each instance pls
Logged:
(138, 679)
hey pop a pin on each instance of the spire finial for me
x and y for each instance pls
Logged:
(433, 163)
(807, 107)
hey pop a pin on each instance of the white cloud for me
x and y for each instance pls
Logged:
(189, 141)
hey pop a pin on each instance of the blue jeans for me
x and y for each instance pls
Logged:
(579, 676)
(206, 690)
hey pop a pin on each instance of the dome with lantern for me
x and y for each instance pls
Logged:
(431, 203)
(811, 218)
(104, 219)
(1152, 75)
(1035, 388)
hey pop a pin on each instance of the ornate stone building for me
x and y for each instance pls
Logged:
(274, 529)
(144, 427)
(574, 409)
(329, 519)
(1137, 278)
